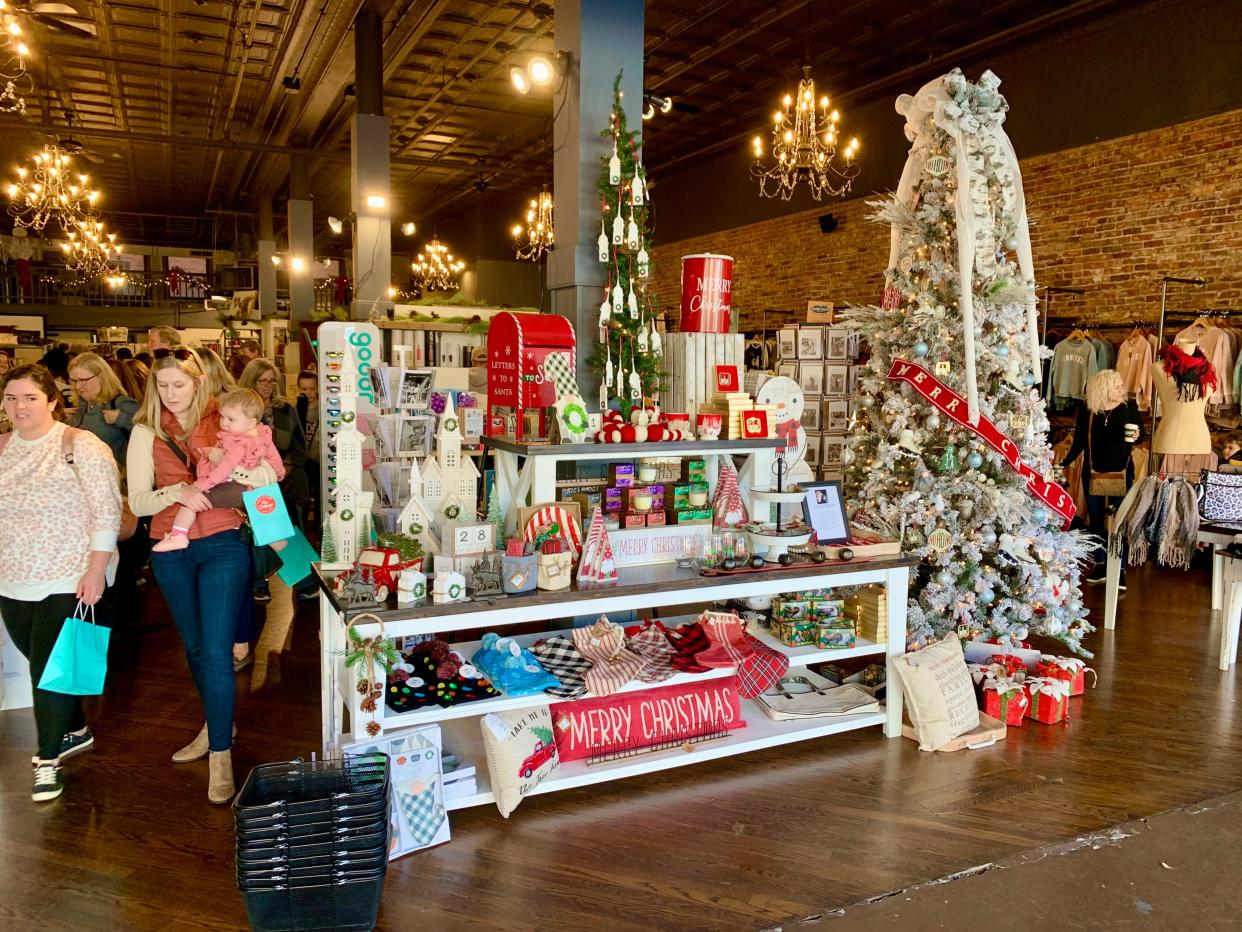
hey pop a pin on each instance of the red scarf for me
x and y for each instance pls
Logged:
(1193, 373)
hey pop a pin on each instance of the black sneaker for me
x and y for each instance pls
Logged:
(72, 744)
(47, 782)
(262, 592)
(308, 595)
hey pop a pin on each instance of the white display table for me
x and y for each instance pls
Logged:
(639, 587)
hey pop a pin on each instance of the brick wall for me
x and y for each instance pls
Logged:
(1110, 217)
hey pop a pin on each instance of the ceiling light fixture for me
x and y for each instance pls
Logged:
(292, 84)
(805, 148)
(335, 225)
(297, 264)
(377, 201)
(408, 228)
(539, 71)
(277, 261)
(51, 192)
(539, 228)
(435, 269)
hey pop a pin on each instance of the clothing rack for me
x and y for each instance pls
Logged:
(1049, 291)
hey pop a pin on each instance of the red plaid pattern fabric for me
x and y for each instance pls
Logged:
(688, 640)
(726, 635)
(760, 670)
(657, 653)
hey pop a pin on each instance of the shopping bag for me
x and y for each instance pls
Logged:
(296, 559)
(79, 660)
(269, 519)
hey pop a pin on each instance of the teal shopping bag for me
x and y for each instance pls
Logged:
(79, 659)
(269, 519)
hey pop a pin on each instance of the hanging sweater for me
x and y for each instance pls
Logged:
(1134, 361)
(53, 515)
(1073, 365)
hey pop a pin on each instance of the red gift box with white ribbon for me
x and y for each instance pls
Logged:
(1049, 699)
(1066, 668)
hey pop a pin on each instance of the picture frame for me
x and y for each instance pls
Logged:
(754, 425)
(837, 415)
(810, 455)
(810, 343)
(787, 344)
(819, 312)
(728, 379)
(823, 506)
(417, 434)
(415, 390)
(811, 377)
(836, 381)
(833, 445)
(811, 419)
(837, 344)
(788, 369)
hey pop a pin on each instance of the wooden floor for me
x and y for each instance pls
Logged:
(746, 843)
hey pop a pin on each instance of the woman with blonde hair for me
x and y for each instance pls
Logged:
(1108, 427)
(100, 403)
(219, 379)
(290, 439)
(204, 584)
(132, 375)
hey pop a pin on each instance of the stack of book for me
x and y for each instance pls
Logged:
(459, 778)
(869, 609)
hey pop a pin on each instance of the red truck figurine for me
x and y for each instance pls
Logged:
(382, 565)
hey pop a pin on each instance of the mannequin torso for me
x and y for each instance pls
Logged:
(1182, 427)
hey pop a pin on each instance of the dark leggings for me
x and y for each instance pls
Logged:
(34, 628)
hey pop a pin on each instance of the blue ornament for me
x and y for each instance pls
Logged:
(1028, 379)
(974, 461)
(1002, 351)
(986, 597)
(1039, 514)
(920, 348)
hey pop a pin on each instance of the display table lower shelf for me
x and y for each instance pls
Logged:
(465, 740)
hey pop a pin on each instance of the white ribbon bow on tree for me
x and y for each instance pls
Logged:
(972, 134)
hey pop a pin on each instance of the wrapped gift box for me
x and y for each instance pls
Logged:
(1005, 699)
(794, 633)
(633, 519)
(693, 470)
(1066, 668)
(656, 519)
(621, 474)
(1049, 699)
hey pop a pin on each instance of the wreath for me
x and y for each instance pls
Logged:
(574, 417)
(450, 423)
(347, 515)
(455, 590)
(451, 512)
(369, 653)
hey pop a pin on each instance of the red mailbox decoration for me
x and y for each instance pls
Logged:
(517, 345)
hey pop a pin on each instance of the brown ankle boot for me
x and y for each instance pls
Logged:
(196, 749)
(220, 782)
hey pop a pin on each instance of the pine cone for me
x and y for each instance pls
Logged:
(363, 687)
(368, 704)
(373, 729)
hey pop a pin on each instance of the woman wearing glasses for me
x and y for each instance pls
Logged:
(206, 583)
(101, 405)
(282, 417)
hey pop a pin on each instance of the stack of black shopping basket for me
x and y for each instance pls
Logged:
(312, 843)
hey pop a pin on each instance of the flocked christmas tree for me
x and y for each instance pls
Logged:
(496, 518)
(628, 356)
(959, 301)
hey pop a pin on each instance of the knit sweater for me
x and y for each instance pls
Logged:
(53, 515)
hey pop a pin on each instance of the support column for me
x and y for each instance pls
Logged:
(301, 211)
(604, 37)
(267, 249)
(370, 183)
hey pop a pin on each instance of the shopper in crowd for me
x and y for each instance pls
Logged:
(308, 414)
(162, 339)
(101, 404)
(219, 379)
(205, 584)
(123, 352)
(145, 358)
(6, 360)
(282, 417)
(58, 529)
(1108, 427)
(246, 353)
(132, 375)
(56, 361)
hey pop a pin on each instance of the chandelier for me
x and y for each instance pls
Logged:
(52, 192)
(435, 269)
(16, 82)
(90, 250)
(805, 148)
(539, 238)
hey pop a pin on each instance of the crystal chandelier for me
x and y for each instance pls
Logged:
(90, 250)
(435, 269)
(805, 148)
(16, 82)
(539, 238)
(52, 192)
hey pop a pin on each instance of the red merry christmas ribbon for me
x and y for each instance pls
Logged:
(952, 404)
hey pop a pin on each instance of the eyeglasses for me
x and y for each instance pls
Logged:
(89, 378)
(269, 380)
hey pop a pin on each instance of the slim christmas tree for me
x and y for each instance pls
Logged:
(496, 518)
(627, 358)
(949, 447)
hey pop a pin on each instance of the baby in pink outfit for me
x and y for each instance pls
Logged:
(242, 442)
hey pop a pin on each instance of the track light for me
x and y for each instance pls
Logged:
(539, 71)
(277, 261)
(408, 228)
(292, 84)
(335, 225)
(520, 82)
(297, 264)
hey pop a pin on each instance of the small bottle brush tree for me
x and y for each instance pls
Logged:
(628, 356)
(996, 561)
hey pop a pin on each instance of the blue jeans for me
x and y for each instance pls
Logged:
(204, 586)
